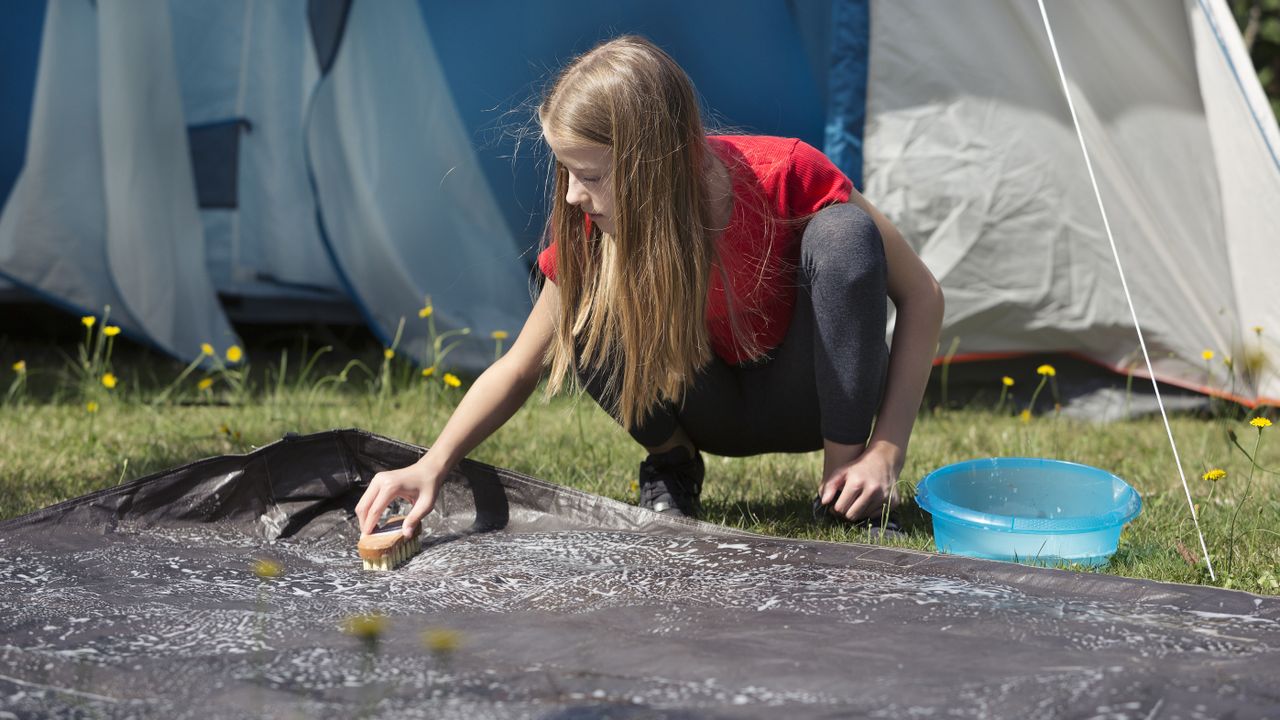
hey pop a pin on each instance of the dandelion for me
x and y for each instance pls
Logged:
(1226, 360)
(1260, 423)
(111, 330)
(1006, 382)
(425, 311)
(206, 349)
(1047, 374)
(109, 381)
(388, 353)
(441, 641)
(428, 371)
(498, 336)
(1025, 416)
(20, 367)
(1207, 355)
(88, 321)
(205, 384)
(234, 354)
(1257, 330)
(266, 569)
(1215, 475)
(91, 407)
(452, 380)
(368, 627)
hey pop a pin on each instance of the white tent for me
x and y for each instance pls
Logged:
(970, 148)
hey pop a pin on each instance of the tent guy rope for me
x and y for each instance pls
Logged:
(1133, 313)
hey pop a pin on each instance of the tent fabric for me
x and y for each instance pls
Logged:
(976, 160)
(140, 601)
(1246, 145)
(104, 214)
(847, 99)
(406, 212)
(255, 62)
(377, 173)
(215, 154)
(115, 206)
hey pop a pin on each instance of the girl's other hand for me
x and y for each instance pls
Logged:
(859, 488)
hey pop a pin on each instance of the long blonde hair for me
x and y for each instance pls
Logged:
(633, 303)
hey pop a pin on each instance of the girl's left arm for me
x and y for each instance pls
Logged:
(864, 477)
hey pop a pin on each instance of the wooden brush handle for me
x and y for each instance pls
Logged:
(384, 539)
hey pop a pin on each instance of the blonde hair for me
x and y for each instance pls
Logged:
(633, 303)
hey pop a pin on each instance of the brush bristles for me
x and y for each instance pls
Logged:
(396, 556)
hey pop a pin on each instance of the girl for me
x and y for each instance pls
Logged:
(725, 294)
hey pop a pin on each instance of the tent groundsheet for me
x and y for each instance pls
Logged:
(541, 601)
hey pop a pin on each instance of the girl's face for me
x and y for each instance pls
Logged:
(590, 179)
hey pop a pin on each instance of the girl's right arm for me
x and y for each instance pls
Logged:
(494, 397)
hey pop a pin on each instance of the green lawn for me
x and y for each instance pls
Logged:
(54, 449)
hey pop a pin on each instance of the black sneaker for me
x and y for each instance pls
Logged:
(671, 482)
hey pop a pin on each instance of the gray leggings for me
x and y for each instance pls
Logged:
(826, 378)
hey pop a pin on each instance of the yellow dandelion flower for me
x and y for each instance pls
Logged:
(426, 311)
(1008, 381)
(88, 321)
(205, 384)
(91, 407)
(441, 640)
(1207, 354)
(1260, 422)
(111, 330)
(265, 569)
(388, 353)
(109, 381)
(428, 371)
(452, 380)
(234, 354)
(368, 626)
(206, 349)
(1025, 416)
(1215, 475)
(1046, 370)
(1257, 330)
(20, 366)
(499, 335)
(224, 429)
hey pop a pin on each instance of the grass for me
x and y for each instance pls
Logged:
(55, 449)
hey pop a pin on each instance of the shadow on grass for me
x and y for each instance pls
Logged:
(793, 516)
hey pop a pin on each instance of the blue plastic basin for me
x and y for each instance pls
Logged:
(1028, 510)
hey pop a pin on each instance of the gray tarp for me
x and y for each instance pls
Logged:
(140, 600)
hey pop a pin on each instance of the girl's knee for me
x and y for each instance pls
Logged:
(842, 242)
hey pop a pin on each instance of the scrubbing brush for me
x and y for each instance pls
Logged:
(386, 548)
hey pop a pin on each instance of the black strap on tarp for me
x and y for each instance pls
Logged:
(534, 600)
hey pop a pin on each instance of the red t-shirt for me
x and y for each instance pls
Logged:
(774, 180)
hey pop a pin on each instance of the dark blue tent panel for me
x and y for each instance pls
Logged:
(19, 54)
